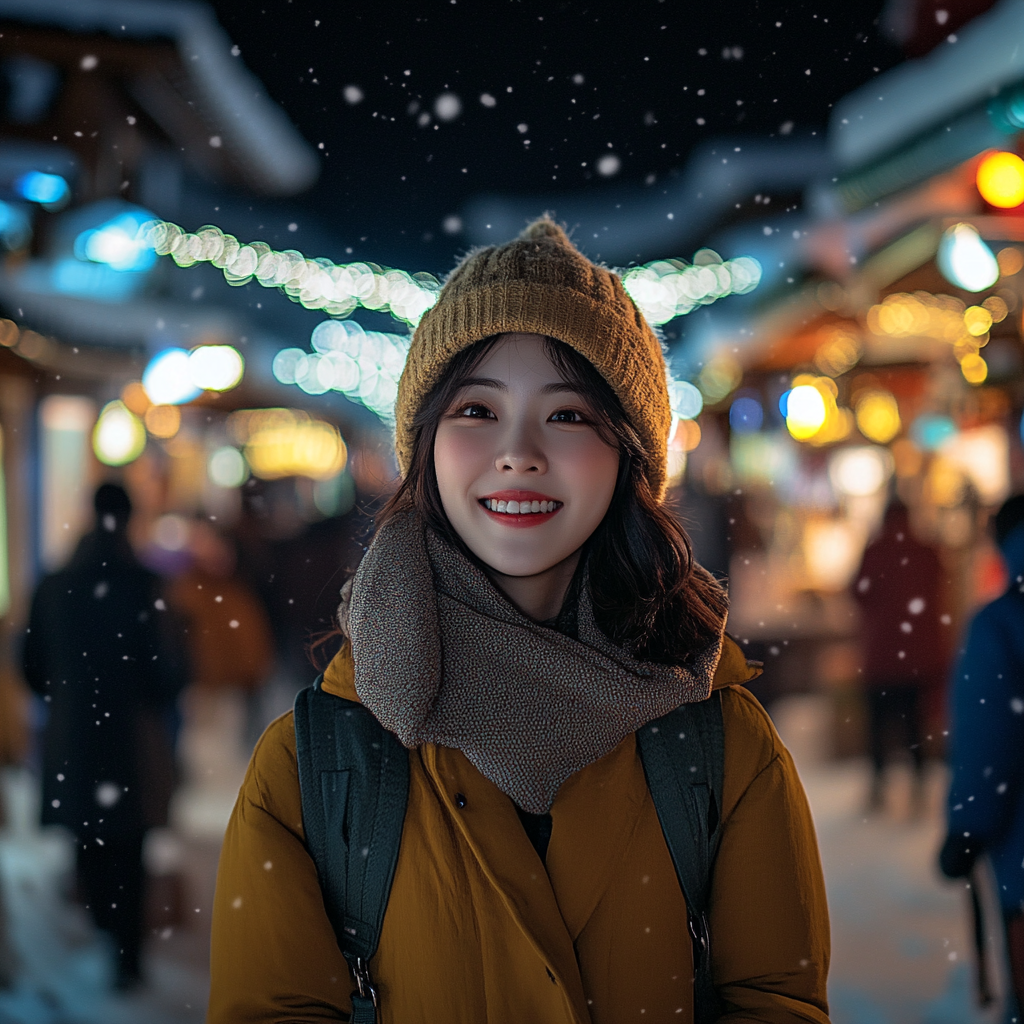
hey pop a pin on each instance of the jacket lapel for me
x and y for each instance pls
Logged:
(488, 821)
(594, 817)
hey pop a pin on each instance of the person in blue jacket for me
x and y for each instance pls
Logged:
(986, 754)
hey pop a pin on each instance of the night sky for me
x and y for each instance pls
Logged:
(563, 85)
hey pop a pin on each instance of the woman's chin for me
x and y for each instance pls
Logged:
(522, 565)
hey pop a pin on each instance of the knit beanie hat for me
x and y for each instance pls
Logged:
(541, 284)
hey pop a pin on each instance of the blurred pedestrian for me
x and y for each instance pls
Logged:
(228, 633)
(899, 591)
(986, 752)
(98, 652)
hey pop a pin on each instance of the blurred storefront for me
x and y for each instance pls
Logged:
(114, 364)
(883, 359)
(123, 361)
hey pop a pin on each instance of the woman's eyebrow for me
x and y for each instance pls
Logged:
(484, 382)
(558, 388)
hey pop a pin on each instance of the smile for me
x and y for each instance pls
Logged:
(519, 508)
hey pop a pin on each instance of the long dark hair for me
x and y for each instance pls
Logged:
(649, 595)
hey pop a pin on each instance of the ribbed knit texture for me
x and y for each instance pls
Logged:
(541, 284)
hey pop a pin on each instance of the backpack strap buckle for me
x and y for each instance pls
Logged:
(364, 983)
(700, 932)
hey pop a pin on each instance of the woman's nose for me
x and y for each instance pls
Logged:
(521, 453)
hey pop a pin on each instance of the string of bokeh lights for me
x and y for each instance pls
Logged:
(662, 289)
(365, 366)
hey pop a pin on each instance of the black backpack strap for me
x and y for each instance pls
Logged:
(683, 756)
(354, 779)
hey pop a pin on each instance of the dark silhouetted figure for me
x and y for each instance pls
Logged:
(898, 589)
(986, 751)
(98, 653)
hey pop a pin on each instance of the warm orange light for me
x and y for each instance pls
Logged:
(1001, 180)
(687, 435)
(163, 420)
(135, 397)
(974, 369)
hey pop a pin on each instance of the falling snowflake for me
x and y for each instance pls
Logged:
(447, 106)
(107, 794)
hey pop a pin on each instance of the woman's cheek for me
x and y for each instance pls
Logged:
(593, 468)
(458, 454)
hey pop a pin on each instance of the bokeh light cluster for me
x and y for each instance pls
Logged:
(665, 289)
(965, 328)
(175, 376)
(365, 366)
(278, 443)
(336, 288)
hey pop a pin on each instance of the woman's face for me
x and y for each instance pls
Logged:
(518, 437)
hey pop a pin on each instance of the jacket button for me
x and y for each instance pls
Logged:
(460, 800)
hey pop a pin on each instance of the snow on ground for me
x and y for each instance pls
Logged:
(901, 947)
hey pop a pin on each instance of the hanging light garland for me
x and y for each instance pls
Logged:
(365, 365)
(662, 289)
(336, 288)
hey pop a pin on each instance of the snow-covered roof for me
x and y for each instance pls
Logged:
(983, 57)
(275, 157)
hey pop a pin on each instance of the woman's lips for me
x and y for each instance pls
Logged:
(526, 510)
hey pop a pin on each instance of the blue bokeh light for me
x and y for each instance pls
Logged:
(929, 432)
(40, 187)
(167, 379)
(119, 242)
(15, 228)
(746, 415)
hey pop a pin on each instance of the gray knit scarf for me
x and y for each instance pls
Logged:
(442, 656)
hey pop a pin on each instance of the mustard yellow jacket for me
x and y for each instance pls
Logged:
(479, 931)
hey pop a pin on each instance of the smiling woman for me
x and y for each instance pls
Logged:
(517, 435)
(515, 778)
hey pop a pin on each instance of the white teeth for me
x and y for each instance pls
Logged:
(519, 507)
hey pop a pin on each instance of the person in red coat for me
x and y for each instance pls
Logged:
(898, 589)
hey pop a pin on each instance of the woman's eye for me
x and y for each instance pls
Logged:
(474, 411)
(567, 416)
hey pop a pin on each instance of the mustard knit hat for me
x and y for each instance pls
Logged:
(541, 284)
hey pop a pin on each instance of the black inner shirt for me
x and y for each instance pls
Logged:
(538, 830)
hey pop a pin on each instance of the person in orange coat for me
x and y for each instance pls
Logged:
(228, 637)
(228, 631)
(527, 604)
